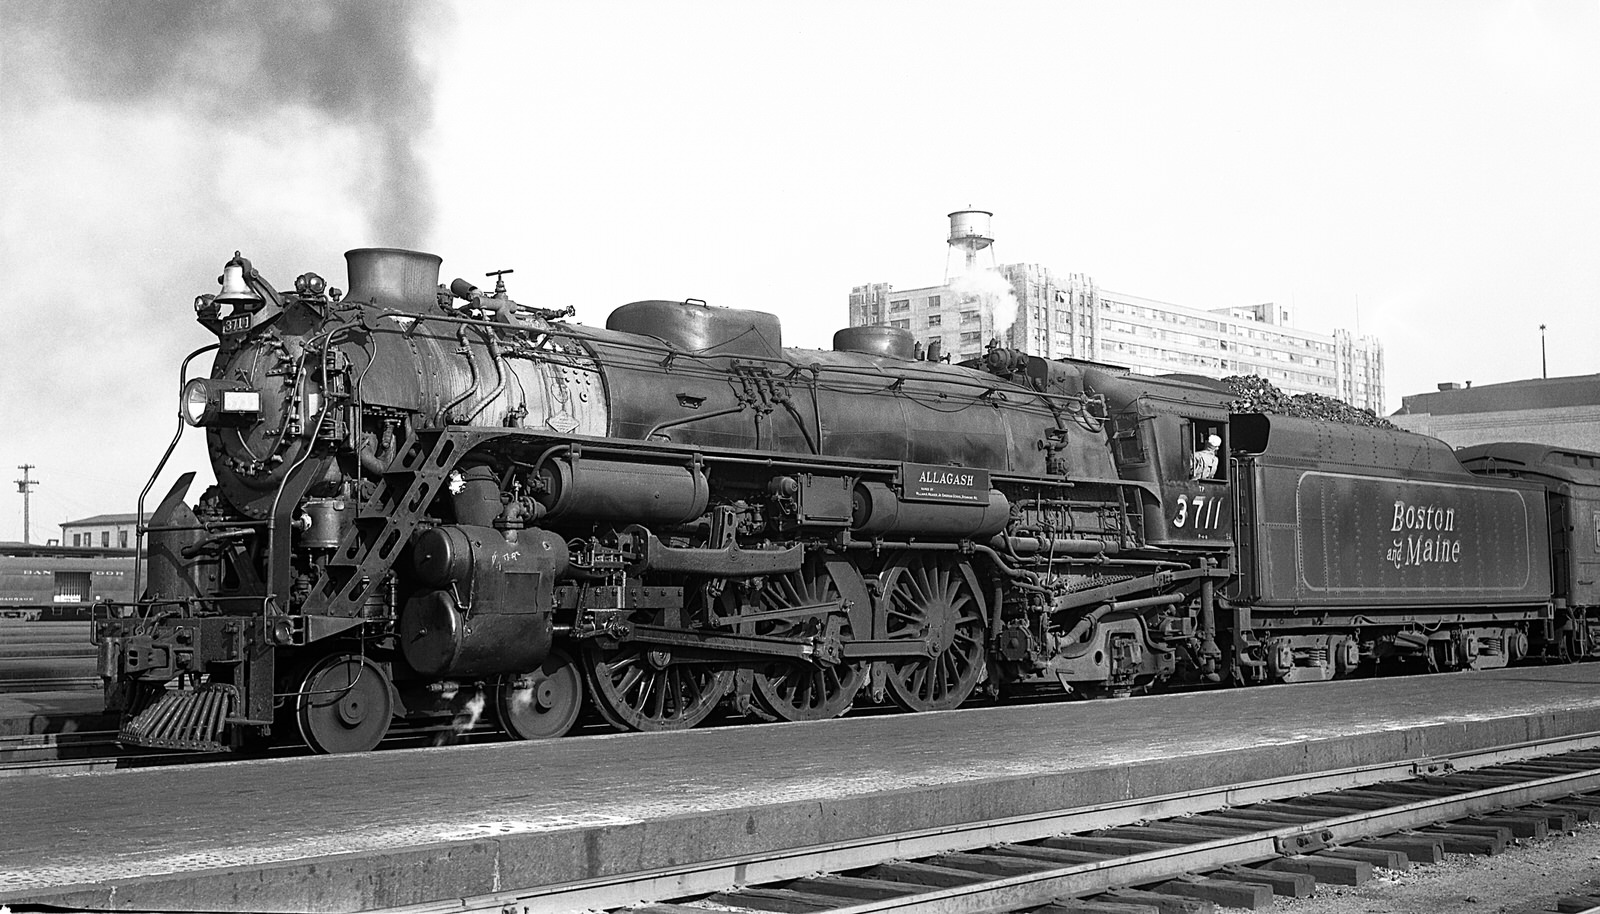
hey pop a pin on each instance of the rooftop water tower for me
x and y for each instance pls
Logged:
(969, 235)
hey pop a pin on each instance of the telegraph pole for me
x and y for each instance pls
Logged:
(25, 486)
(1544, 364)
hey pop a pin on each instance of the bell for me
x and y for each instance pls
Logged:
(235, 291)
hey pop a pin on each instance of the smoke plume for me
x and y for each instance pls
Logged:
(240, 65)
(141, 144)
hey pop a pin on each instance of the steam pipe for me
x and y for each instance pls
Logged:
(1032, 545)
(500, 377)
(472, 369)
(278, 557)
(656, 429)
(1208, 629)
(1082, 633)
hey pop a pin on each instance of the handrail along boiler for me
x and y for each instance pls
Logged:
(430, 497)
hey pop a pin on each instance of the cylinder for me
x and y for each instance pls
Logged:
(878, 511)
(643, 493)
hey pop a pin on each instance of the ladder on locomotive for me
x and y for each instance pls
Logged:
(385, 522)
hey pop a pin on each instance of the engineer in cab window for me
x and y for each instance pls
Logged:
(1205, 459)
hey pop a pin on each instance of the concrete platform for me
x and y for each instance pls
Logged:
(401, 827)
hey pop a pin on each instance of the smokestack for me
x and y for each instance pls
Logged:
(394, 278)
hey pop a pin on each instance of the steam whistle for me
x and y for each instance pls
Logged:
(499, 282)
(499, 306)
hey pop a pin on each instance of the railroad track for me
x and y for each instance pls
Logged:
(77, 753)
(1237, 845)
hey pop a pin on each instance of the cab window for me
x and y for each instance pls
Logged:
(1205, 447)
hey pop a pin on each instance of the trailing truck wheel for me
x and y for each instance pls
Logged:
(345, 705)
(542, 704)
(934, 599)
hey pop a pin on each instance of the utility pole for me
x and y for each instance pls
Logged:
(1544, 365)
(25, 486)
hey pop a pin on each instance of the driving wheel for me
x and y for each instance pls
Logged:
(934, 599)
(798, 689)
(637, 688)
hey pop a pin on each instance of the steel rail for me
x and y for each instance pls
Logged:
(1040, 888)
(1156, 866)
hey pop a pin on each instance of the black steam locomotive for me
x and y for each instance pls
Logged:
(432, 499)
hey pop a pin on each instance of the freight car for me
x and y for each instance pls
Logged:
(429, 496)
(61, 583)
(47, 597)
(1572, 480)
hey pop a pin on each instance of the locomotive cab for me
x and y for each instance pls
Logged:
(1159, 429)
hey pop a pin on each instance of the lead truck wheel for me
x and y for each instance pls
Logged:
(543, 704)
(345, 705)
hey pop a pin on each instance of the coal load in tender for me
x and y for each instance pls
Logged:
(1255, 394)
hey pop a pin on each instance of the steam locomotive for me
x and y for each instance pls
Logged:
(432, 496)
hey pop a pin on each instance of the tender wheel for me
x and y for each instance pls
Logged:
(936, 600)
(345, 704)
(542, 704)
(635, 688)
(791, 690)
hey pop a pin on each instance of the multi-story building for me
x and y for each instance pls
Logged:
(103, 531)
(1561, 412)
(1066, 315)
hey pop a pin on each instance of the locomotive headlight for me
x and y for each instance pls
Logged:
(207, 402)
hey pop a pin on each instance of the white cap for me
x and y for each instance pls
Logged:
(1214, 441)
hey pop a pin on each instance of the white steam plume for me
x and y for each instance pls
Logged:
(991, 291)
(467, 717)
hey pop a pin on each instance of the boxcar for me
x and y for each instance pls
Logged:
(1571, 480)
(61, 583)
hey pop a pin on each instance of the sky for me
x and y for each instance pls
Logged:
(1425, 172)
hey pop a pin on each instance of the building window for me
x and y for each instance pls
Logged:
(72, 586)
(935, 320)
(903, 325)
(969, 317)
(122, 539)
(903, 304)
(975, 336)
(933, 301)
(105, 539)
